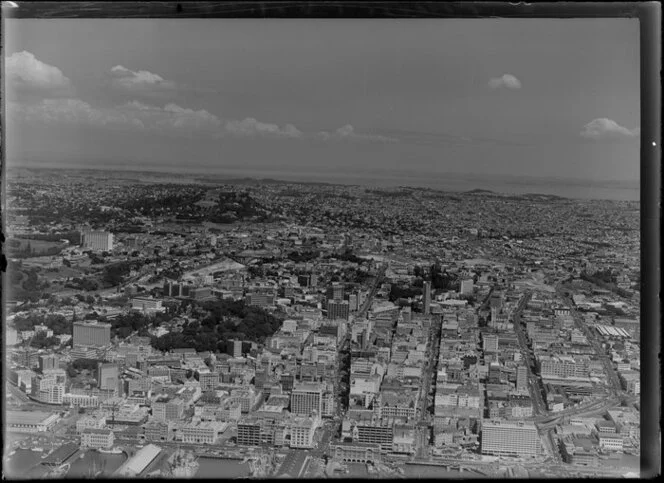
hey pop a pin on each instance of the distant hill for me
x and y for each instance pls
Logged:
(479, 192)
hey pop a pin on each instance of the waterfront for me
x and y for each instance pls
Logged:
(94, 462)
(423, 471)
(221, 468)
(24, 464)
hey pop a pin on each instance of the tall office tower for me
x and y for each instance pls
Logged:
(306, 398)
(91, 334)
(236, 348)
(352, 301)
(521, 377)
(427, 297)
(490, 342)
(335, 291)
(48, 362)
(108, 376)
(467, 286)
(338, 309)
(98, 240)
(510, 438)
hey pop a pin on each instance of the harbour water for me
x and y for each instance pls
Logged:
(24, 464)
(423, 471)
(221, 468)
(94, 462)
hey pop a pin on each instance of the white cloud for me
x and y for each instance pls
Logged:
(508, 81)
(252, 127)
(603, 128)
(141, 80)
(171, 119)
(28, 74)
(348, 132)
(69, 111)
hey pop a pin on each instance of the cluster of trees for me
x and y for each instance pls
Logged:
(225, 320)
(78, 365)
(26, 250)
(348, 256)
(600, 277)
(439, 277)
(114, 274)
(304, 256)
(72, 236)
(56, 322)
(86, 283)
(180, 203)
(25, 285)
(237, 206)
(41, 341)
(403, 292)
(126, 324)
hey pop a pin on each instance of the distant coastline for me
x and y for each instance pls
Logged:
(448, 182)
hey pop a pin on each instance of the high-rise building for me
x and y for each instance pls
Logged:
(260, 299)
(108, 376)
(510, 438)
(353, 302)
(338, 309)
(426, 288)
(97, 240)
(521, 377)
(236, 348)
(47, 362)
(307, 398)
(335, 291)
(490, 342)
(91, 333)
(467, 286)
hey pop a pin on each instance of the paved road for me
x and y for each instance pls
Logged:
(539, 406)
(592, 339)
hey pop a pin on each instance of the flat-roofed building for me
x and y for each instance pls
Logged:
(97, 438)
(611, 442)
(356, 452)
(97, 240)
(510, 438)
(202, 432)
(249, 433)
(145, 304)
(307, 399)
(374, 432)
(135, 465)
(168, 409)
(302, 432)
(91, 333)
(30, 421)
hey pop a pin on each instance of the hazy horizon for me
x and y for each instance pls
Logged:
(530, 98)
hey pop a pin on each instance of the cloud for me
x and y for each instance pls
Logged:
(136, 115)
(508, 81)
(603, 128)
(139, 81)
(27, 74)
(69, 111)
(171, 117)
(347, 132)
(252, 127)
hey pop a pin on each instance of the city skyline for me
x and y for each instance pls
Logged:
(426, 97)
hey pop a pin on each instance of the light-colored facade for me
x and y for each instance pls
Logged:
(98, 240)
(510, 438)
(97, 438)
(307, 398)
(91, 334)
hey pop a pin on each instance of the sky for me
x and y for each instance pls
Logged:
(515, 97)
